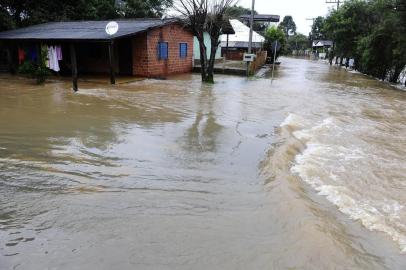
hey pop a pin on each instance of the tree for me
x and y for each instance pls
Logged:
(145, 8)
(202, 16)
(318, 29)
(235, 12)
(19, 13)
(373, 33)
(298, 42)
(6, 21)
(288, 26)
(273, 34)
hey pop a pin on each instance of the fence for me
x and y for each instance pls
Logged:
(259, 61)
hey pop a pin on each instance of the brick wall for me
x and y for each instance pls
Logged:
(145, 53)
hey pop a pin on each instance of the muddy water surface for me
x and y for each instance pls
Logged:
(305, 173)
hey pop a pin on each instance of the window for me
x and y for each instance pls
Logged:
(163, 50)
(183, 50)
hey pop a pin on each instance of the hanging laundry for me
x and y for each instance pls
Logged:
(59, 53)
(21, 56)
(351, 63)
(33, 54)
(53, 63)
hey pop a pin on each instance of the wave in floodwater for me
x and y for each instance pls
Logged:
(357, 167)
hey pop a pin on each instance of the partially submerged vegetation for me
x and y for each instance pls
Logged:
(372, 32)
(205, 16)
(36, 70)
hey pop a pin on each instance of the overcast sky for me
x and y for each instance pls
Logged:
(300, 10)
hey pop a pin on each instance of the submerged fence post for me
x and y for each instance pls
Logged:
(74, 67)
(111, 62)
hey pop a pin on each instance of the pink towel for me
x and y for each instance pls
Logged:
(58, 53)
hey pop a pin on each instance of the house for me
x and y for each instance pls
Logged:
(234, 46)
(140, 47)
(227, 29)
(207, 43)
(322, 45)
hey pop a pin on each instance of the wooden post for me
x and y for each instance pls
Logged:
(111, 62)
(227, 47)
(74, 67)
(39, 54)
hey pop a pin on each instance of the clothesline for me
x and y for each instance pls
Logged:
(53, 56)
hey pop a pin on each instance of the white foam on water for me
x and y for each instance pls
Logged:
(323, 163)
(293, 120)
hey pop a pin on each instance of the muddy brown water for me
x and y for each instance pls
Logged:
(305, 173)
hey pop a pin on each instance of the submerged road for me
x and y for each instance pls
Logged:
(305, 173)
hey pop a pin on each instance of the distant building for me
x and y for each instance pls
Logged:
(322, 45)
(234, 46)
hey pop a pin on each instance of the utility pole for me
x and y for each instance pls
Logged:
(250, 37)
(251, 26)
(338, 2)
(311, 19)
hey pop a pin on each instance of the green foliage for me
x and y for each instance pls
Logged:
(234, 12)
(28, 12)
(297, 42)
(373, 32)
(145, 8)
(6, 21)
(318, 31)
(274, 34)
(288, 26)
(35, 71)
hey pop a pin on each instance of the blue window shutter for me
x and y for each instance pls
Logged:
(183, 50)
(163, 50)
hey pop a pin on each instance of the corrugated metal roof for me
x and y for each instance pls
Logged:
(262, 18)
(82, 30)
(322, 43)
(241, 37)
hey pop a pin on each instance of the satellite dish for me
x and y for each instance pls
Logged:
(112, 28)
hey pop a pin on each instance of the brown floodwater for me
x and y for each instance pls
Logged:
(306, 172)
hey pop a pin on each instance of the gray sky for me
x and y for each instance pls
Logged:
(298, 9)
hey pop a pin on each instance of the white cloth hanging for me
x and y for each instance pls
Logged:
(53, 63)
(351, 63)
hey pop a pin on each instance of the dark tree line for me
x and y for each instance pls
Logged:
(19, 13)
(373, 32)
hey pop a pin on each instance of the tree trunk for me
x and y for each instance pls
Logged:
(203, 57)
(212, 60)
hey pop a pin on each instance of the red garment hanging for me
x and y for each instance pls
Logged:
(21, 55)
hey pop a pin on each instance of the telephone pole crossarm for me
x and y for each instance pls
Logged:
(338, 2)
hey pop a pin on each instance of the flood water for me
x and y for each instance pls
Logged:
(305, 173)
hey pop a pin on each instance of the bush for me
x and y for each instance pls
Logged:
(35, 71)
